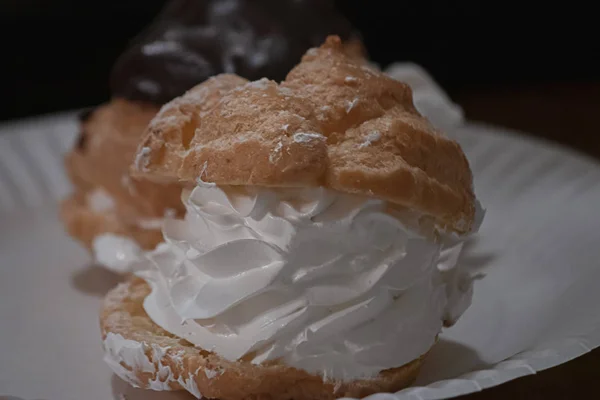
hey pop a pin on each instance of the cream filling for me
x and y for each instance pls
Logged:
(116, 252)
(119, 351)
(335, 284)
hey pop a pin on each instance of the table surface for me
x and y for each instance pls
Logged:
(566, 113)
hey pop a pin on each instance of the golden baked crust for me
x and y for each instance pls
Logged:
(100, 161)
(333, 122)
(171, 133)
(83, 223)
(123, 314)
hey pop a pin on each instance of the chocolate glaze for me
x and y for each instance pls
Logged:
(192, 40)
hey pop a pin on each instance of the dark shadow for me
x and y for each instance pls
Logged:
(122, 390)
(95, 280)
(448, 360)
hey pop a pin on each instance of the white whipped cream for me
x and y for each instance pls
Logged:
(331, 283)
(156, 223)
(115, 252)
(118, 253)
(119, 351)
(100, 201)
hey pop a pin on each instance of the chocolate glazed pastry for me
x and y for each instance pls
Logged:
(193, 40)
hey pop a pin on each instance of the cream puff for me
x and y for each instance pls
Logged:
(114, 214)
(107, 203)
(317, 256)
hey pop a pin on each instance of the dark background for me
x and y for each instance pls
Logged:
(57, 54)
(527, 65)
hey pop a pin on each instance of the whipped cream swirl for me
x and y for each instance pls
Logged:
(332, 283)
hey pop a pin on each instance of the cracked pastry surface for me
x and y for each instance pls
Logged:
(333, 122)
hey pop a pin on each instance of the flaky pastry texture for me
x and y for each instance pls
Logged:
(334, 122)
(167, 362)
(99, 162)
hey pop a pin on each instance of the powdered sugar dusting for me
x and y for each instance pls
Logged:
(169, 120)
(197, 96)
(285, 91)
(368, 70)
(312, 52)
(351, 104)
(370, 139)
(321, 116)
(350, 79)
(260, 84)
(307, 137)
(142, 159)
(276, 153)
(211, 373)
(166, 108)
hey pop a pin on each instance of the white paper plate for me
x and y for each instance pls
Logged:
(538, 250)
